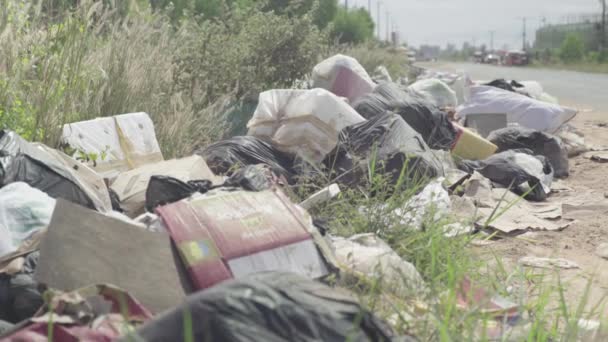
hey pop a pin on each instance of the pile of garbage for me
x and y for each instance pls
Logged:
(123, 242)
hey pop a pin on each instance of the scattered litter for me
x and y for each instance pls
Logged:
(549, 263)
(436, 91)
(600, 157)
(524, 173)
(581, 211)
(523, 110)
(343, 76)
(381, 75)
(540, 143)
(24, 211)
(271, 306)
(369, 255)
(588, 325)
(229, 234)
(82, 247)
(303, 122)
(602, 250)
(118, 143)
(94, 313)
(484, 124)
(131, 186)
(502, 312)
(432, 203)
(253, 178)
(573, 140)
(20, 297)
(471, 146)
(502, 210)
(321, 196)
(560, 186)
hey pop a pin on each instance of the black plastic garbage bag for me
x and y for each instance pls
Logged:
(20, 298)
(521, 170)
(21, 161)
(501, 83)
(226, 156)
(379, 101)
(164, 190)
(433, 124)
(388, 142)
(423, 116)
(540, 143)
(272, 306)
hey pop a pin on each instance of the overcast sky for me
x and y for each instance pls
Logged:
(457, 21)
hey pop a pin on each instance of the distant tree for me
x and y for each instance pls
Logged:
(353, 26)
(572, 49)
(322, 14)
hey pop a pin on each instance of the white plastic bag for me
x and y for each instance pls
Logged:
(23, 211)
(305, 122)
(436, 91)
(343, 76)
(535, 90)
(520, 109)
(369, 255)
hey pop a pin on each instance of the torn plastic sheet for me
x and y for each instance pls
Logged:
(369, 255)
(50, 171)
(502, 210)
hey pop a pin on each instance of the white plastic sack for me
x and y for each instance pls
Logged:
(343, 76)
(432, 200)
(535, 90)
(23, 211)
(520, 109)
(369, 255)
(436, 91)
(305, 122)
(126, 141)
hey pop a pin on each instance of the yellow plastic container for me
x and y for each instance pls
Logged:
(469, 145)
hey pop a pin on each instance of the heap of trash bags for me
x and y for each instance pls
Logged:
(122, 237)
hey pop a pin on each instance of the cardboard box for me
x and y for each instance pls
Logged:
(229, 234)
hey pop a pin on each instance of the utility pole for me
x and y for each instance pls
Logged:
(524, 34)
(369, 7)
(603, 38)
(346, 4)
(379, 3)
(492, 41)
(388, 27)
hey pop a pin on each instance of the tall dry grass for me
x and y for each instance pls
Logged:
(97, 60)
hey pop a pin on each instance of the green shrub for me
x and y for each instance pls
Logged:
(89, 62)
(353, 26)
(572, 49)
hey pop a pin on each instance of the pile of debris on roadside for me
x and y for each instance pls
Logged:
(104, 238)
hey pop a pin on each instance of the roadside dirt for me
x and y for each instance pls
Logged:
(586, 188)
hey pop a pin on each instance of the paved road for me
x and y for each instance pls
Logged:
(577, 89)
